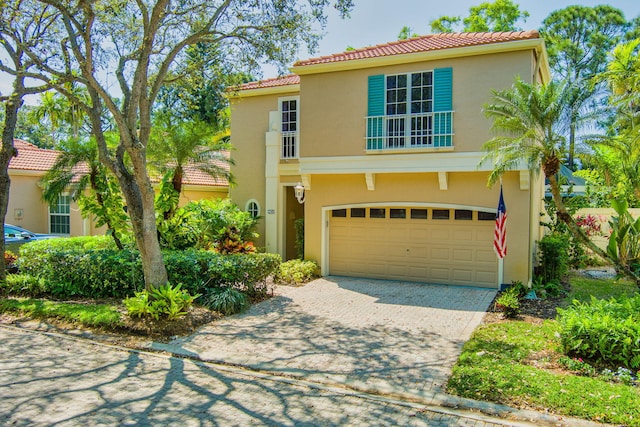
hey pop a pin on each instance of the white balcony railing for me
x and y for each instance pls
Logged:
(289, 145)
(410, 131)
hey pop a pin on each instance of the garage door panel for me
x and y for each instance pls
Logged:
(464, 235)
(438, 251)
(463, 275)
(486, 256)
(440, 254)
(463, 255)
(439, 235)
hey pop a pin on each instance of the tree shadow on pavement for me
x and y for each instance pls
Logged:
(48, 380)
(279, 336)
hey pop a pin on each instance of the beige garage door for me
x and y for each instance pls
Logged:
(444, 246)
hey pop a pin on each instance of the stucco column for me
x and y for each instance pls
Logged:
(272, 147)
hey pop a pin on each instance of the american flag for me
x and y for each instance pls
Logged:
(500, 233)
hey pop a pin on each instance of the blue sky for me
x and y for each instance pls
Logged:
(379, 21)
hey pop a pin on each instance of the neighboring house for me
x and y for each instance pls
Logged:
(386, 141)
(28, 210)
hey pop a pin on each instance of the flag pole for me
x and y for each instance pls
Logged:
(500, 258)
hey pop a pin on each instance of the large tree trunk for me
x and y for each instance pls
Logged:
(139, 194)
(572, 145)
(6, 153)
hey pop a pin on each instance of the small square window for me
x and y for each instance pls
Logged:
(418, 214)
(440, 214)
(339, 213)
(377, 213)
(398, 213)
(358, 212)
(463, 214)
(486, 216)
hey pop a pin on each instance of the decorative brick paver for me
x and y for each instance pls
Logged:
(368, 334)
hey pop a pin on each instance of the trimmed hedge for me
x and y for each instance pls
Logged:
(68, 268)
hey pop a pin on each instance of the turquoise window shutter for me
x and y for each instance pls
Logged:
(442, 102)
(442, 88)
(375, 107)
(376, 95)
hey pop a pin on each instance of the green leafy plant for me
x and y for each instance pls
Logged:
(167, 301)
(553, 257)
(299, 227)
(296, 272)
(621, 375)
(603, 331)
(509, 303)
(577, 365)
(624, 241)
(23, 285)
(10, 260)
(226, 300)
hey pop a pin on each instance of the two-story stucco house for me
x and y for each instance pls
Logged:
(386, 141)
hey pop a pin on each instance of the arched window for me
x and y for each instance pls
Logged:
(253, 208)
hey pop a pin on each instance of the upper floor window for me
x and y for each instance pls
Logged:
(409, 94)
(60, 216)
(410, 110)
(289, 113)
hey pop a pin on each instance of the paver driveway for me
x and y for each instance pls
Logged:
(369, 334)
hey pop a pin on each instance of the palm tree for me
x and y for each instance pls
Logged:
(532, 119)
(175, 145)
(78, 168)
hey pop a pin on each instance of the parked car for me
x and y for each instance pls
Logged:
(15, 236)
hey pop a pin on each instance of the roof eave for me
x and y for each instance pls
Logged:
(484, 49)
(274, 90)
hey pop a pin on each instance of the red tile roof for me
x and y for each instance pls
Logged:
(431, 42)
(291, 79)
(31, 157)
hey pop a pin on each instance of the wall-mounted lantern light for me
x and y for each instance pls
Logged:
(299, 191)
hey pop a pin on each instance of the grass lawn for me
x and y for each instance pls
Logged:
(516, 363)
(91, 315)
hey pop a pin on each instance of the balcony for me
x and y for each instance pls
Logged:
(411, 131)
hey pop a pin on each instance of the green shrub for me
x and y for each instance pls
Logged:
(603, 331)
(24, 285)
(72, 271)
(509, 302)
(201, 225)
(299, 227)
(226, 300)
(296, 272)
(554, 259)
(167, 301)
